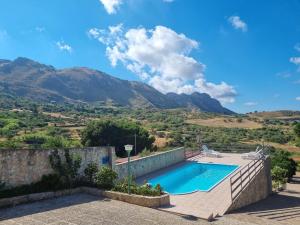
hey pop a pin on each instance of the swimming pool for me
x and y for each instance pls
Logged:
(193, 176)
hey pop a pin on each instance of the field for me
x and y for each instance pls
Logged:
(226, 122)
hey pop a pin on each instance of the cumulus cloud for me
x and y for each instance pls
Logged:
(298, 98)
(161, 57)
(250, 103)
(64, 47)
(111, 6)
(237, 23)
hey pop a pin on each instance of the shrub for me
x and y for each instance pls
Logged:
(297, 129)
(2, 185)
(279, 176)
(145, 152)
(146, 189)
(34, 139)
(66, 169)
(47, 183)
(90, 171)
(55, 142)
(282, 159)
(105, 178)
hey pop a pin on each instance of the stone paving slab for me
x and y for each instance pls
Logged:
(84, 209)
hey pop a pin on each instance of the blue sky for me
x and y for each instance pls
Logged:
(244, 53)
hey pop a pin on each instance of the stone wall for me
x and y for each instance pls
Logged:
(148, 164)
(18, 167)
(258, 189)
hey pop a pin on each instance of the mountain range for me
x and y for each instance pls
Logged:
(27, 78)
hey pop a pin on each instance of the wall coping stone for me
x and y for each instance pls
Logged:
(150, 156)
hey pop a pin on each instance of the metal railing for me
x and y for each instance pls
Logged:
(240, 180)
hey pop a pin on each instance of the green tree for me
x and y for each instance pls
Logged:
(117, 134)
(297, 129)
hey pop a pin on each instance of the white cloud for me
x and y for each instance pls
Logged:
(298, 98)
(161, 57)
(297, 47)
(168, 0)
(295, 60)
(3, 34)
(64, 47)
(237, 23)
(111, 6)
(250, 103)
(284, 75)
(40, 29)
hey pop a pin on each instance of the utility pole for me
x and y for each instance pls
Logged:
(135, 143)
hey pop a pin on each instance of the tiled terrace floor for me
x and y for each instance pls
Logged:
(203, 204)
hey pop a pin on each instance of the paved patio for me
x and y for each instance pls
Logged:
(203, 204)
(83, 209)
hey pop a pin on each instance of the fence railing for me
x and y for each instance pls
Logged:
(240, 180)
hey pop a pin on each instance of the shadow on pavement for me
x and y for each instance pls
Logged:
(47, 205)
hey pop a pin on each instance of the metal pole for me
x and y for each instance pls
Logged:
(135, 144)
(128, 168)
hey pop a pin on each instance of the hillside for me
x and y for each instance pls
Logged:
(26, 78)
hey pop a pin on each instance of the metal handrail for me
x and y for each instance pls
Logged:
(237, 181)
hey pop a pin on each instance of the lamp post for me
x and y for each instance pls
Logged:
(128, 149)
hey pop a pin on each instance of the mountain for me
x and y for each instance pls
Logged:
(27, 78)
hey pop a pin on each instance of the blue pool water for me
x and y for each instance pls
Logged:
(193, 176)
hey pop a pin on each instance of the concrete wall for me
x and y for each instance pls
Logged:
(148, 164)
(258, 189)
(18, 167)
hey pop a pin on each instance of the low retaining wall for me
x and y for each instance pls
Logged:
(258, 189)
(148, 164)
(146, 201)
(8, 202)
(18, 167)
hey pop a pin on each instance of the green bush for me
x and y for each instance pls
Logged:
(105, 178)
(279, 176)
(2, 185)
(49, 182)
(146, 189)
(145, 152)
(297, 129)
(67, 168)
(283, 160)
(90, 172)
(34, 139)
(55, 142)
